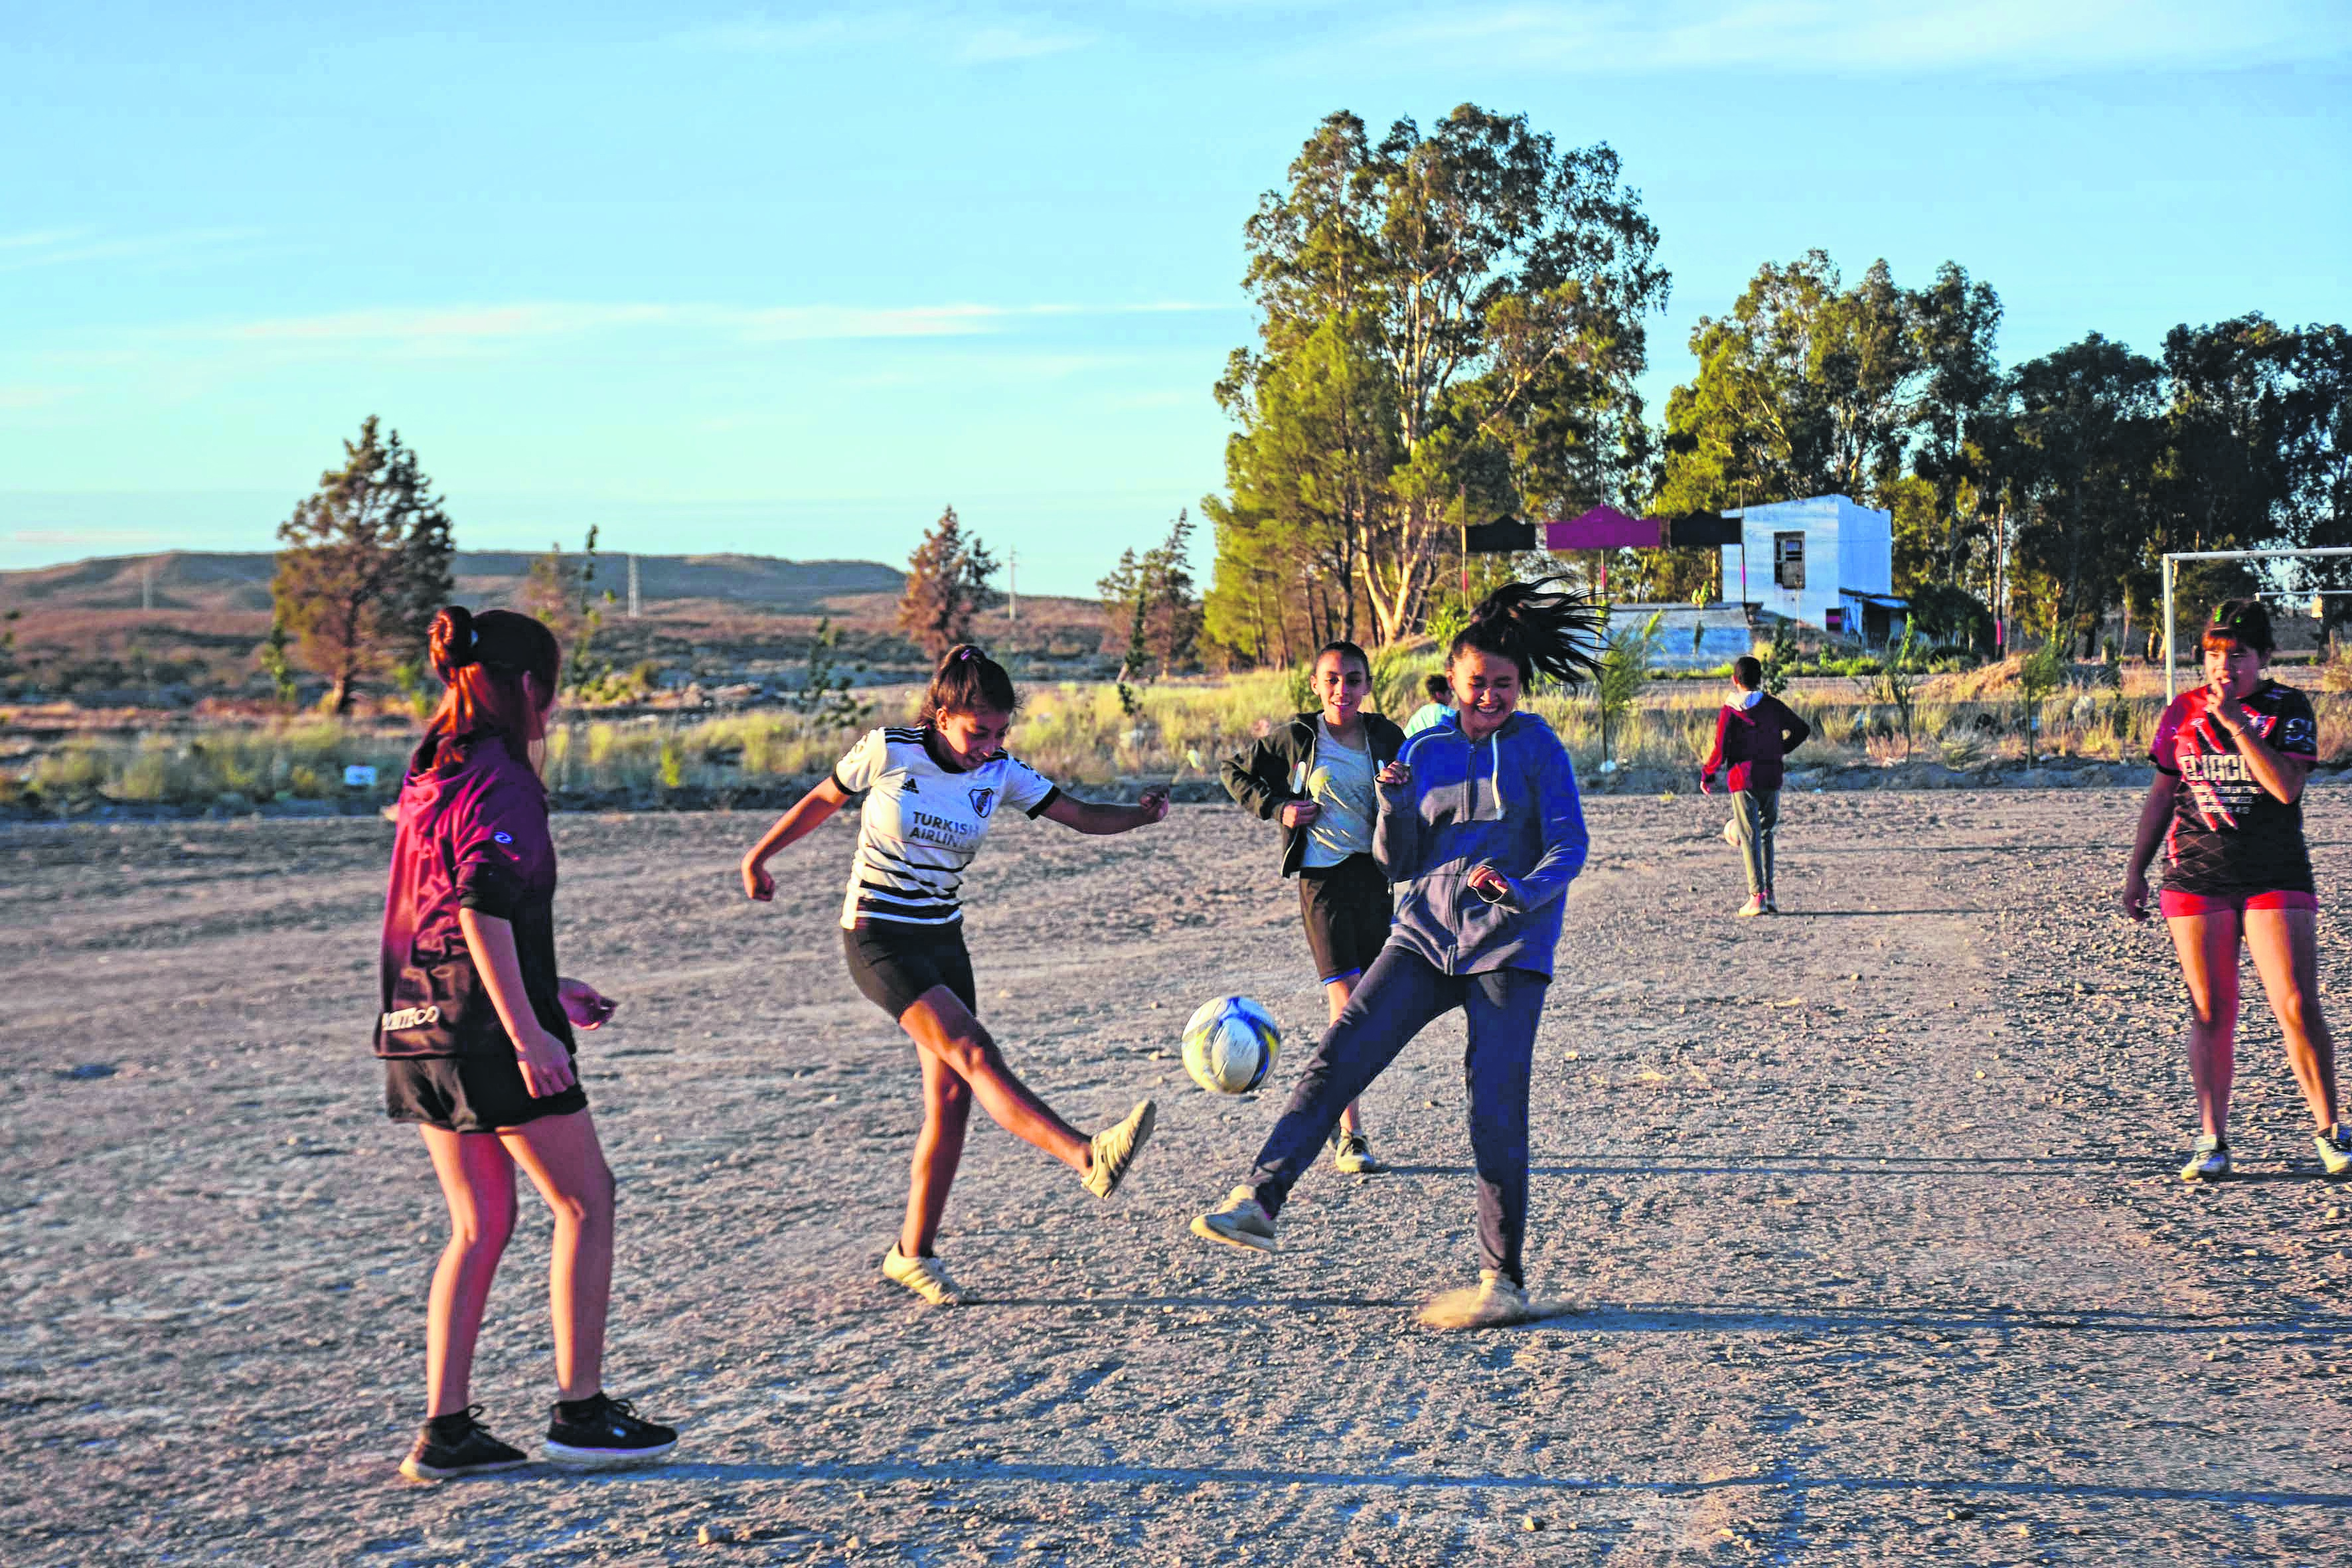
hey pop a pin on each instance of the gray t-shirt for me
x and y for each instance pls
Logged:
(1341, 784)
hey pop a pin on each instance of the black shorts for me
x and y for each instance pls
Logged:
(1348, 915)
(894, 963)
(469, 1094)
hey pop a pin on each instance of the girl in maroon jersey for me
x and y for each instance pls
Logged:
(2231, 758)
(476, 1033)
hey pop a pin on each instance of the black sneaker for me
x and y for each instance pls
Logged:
(601, 1434)
(459, 1445)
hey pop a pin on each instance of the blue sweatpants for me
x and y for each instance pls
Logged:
(1400, 994)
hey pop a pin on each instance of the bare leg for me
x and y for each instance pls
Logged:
(944, 1028)
(938, 1149)
(1336, 994)
(564, 1161)
(2285, 947)
(478, 1180)
(2207, 946)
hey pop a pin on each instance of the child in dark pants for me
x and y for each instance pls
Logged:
(1480, 823)
(1752, 734)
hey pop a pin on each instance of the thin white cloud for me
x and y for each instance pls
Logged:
(81, 247)
(461, 327)
(2034, 37)
(27, 396)
(990, 46)
(961, 35)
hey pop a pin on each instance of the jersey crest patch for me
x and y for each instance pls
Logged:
(983, 801)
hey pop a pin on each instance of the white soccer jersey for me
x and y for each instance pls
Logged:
(922, 822)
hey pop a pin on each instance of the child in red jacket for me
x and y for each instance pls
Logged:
(1752, 734)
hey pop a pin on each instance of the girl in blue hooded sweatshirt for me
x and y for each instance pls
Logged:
(1481, 829)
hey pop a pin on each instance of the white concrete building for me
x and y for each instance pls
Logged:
(1824, 562)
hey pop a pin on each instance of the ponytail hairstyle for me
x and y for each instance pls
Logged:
(1544, 630)
(968, 681)
(483, 660)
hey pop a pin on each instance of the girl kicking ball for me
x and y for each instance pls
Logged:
(1314, 775)
(2231, 758)
(1479, 820)
(933, 789)
(476, 1033)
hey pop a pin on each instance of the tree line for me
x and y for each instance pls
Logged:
(1450, 324)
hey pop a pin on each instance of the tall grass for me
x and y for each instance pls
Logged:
(1077, 733)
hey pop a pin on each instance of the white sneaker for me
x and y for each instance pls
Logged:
(926, 1276)
(2335, 1147)
(1351, 1156)
(1240, 1220)
(1754, 906)
(2208, 1161)
(1115, 1149)
(1495, 1303)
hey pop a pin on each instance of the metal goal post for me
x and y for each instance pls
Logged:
(2222, 555)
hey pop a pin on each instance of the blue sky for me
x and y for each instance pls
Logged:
(787, 279)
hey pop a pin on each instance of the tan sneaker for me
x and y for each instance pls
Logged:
(926, 1276)
(1241, 1221)
(1752, 907)
(1115, 1149)
(1495, 1303)
(1351, 1156)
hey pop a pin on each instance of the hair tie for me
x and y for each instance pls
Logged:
(963, 653)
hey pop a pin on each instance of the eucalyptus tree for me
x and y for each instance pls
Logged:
(1451, 327)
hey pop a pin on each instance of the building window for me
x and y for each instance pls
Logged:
(1833, 620)
(1789, 560)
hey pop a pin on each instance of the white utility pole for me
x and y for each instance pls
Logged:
(1012, 587)
(632, 588)
(147, 585)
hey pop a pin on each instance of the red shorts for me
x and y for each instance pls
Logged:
(2175, 903)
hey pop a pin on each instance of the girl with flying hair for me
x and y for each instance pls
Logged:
(1480, 827)
(932, 789)
(475, 1033)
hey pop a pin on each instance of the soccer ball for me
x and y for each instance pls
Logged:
(1230, 1046)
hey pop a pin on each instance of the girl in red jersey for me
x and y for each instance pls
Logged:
(2231, 758)
(476, 1033)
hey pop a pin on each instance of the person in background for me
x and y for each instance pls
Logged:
(1434, 712)
(2231, 759)
(1752, 734)
(1314, 775)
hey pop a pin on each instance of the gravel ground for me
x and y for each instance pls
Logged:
(1869, 1208)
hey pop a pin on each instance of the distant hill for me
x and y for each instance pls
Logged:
(187, 580)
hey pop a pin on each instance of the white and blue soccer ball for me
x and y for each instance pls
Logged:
(1230, 1044)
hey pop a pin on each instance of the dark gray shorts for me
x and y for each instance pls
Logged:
(469, 1094)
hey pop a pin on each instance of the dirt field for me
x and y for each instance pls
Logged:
(1871, 1206)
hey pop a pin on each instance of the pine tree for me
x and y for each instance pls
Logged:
(947, 585)
(365, 564)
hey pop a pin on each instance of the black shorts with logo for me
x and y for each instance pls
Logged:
(893, 962)
(470, 1094)
(1348, 913)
